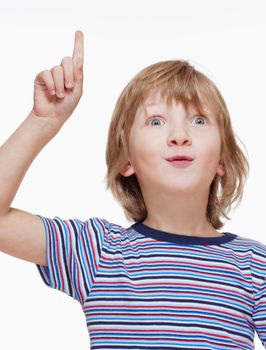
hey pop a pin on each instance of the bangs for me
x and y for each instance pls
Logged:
(185, 85)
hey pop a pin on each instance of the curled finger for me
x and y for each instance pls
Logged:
(58, 77)
(46, 79)
(67, 64)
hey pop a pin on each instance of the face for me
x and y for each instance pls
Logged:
(169, 131)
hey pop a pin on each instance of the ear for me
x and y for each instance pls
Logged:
(128, 171)
(220, 170)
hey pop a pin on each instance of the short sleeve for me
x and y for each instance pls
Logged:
(259, 312)
(73, 250)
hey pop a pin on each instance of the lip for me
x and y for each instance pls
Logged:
(180, 163)
(179, 158)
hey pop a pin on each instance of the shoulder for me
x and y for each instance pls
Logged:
(250, 243)
(108, 226)
(89, 225)
(250, 247)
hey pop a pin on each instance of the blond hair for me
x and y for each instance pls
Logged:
(178, 80)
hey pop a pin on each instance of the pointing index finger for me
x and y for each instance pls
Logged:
(78, 52)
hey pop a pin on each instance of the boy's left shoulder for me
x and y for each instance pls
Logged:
(251, 243)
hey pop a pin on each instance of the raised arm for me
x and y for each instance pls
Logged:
(54, 100)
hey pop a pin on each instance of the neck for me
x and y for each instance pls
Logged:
(183, 214)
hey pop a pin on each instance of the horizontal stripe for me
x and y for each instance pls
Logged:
(141, 288)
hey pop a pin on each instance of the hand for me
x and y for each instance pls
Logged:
(48, 84)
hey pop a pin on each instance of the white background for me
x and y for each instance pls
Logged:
(224, 39)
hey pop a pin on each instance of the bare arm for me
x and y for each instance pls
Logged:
(22, 233)
(18, 153)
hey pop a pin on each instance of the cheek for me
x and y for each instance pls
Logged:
(212, 153)
(213, 140)
(144, 156)
(207, 145)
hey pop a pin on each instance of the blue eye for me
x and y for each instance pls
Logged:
(154, 118)
(203, 118)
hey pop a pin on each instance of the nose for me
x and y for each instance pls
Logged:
(178, 136)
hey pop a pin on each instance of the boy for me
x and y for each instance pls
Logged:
(170, 280)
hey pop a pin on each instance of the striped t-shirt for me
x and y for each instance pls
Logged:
(141, 288)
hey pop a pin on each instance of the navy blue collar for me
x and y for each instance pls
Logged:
(176, 238)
